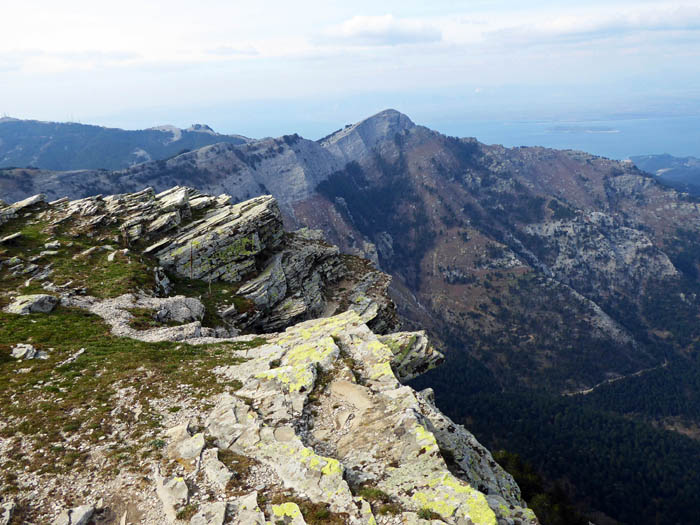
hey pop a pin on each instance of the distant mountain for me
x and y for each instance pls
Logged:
(70, 146)
(682, 173)
(539, 270)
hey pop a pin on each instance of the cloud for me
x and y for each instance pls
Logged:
(231, 51)
(38, 60)
(383, 30)
(598, 24)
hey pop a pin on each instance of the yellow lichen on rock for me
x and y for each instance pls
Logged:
(290, 509)
(294, 378)
(425, 439)
(448, 496)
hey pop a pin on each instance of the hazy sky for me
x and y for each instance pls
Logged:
(269, 67)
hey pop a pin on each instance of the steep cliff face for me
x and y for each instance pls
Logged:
(129, 394)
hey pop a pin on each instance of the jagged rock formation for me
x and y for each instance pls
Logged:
(306, 425)
(288, 276)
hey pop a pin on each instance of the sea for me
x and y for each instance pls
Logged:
(612, 138)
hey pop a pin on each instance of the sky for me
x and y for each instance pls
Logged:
(266, 68)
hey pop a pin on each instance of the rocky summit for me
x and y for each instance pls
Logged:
(176, 358)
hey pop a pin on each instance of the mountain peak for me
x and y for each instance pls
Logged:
(387, 122)
(201, 128)
(367, 133)
(392, 114)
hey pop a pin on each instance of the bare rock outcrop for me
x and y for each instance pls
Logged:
(280, 278)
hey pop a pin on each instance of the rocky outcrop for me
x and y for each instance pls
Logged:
(413, 354)
(315, 408)
(183, 316)
(77, 516)
(595, 251)
(279, 278)
(35, 303)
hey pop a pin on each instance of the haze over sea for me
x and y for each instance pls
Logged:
(617, 139)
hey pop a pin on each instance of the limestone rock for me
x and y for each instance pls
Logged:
(36, 303)
(284, 277)
(356, 410)
(224, 244)
(215, 471)
(27, 351)
(288, 513)
(29, 201)
(245, 510)
(413, 354)
(180, 309)
(182, 445)
(77, 516)
(172, 492)
(210, 514)
(6, 511)
(10, 238)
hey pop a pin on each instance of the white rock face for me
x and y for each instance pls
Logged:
(77, 516)
(173, 493)
(595, 249)
(356, 142)
(6, 511)
(210, 514)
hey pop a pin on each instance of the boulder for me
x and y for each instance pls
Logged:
(245, 510)
(77, 516)
(27, 351)
(210, 514)
(173, 493)
(36, 303)
(413, 354)
(29, 201)
(6, 511)
(10, 238)
(215, 471)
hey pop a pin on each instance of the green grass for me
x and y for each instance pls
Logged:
(427, 514)
(313, 513)
(145, 318)
(186, 512)
(374, 494)
(380, 501)
(100, 277)
(50, 403)
(213, 295)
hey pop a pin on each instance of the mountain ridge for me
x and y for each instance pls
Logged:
(66, 146)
